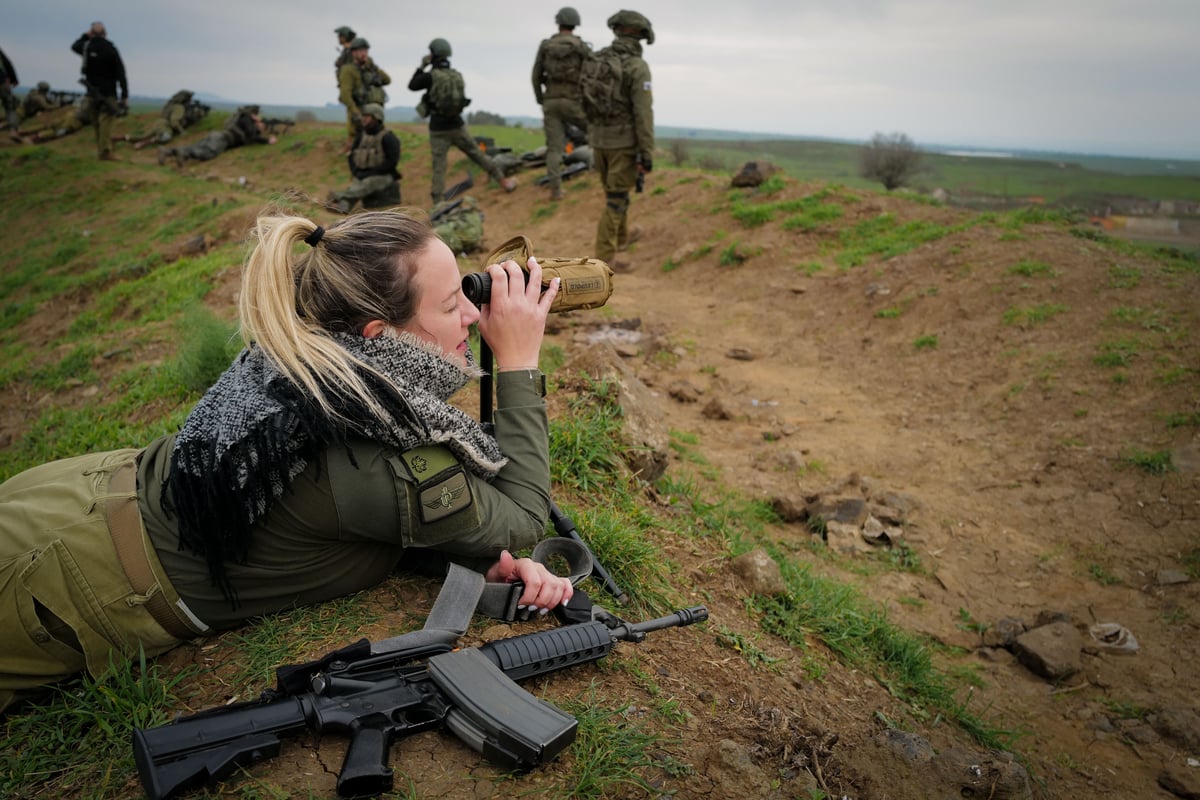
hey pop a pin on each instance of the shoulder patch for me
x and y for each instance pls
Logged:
(445, 497)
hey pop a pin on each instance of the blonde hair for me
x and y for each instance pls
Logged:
(361, 269)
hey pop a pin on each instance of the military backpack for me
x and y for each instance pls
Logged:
(562, 59)
(601, 77)
(447, 96)
(459, 224)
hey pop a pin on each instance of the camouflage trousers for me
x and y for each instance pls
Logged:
(8, 103)
(208, 148)
(618, 172)
(557, 113)
(440, 143)
(65, 602)
(103, 114)
(367, 189)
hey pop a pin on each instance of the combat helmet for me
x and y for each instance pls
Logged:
(360, 43)
(440, 48)
(632, 19)
(567, 17)
(43, 86)
(373, 109)
(345, 32)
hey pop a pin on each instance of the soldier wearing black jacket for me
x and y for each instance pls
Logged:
(103, 74)
(8, 103)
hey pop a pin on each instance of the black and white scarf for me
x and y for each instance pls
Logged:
(255, 430)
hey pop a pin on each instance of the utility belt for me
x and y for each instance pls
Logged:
(145, 574)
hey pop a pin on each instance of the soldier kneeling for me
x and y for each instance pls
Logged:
(373, 159)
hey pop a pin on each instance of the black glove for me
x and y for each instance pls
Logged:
(645, 162)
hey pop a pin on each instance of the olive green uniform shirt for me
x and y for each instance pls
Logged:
(341, 528)
(633, 127)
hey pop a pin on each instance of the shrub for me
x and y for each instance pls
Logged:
(890, 159)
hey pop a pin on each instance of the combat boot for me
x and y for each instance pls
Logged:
(622, 265)
(556, 193)
(632, 236)
(509, 184)
(163, 154)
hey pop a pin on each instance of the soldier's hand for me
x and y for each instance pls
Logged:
(426, 59)
(645, 164)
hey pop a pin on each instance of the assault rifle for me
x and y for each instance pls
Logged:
(376, 699)
(274, 123)
(62, 97)
(641, 176)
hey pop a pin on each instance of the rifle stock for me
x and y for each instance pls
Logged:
(378, 700)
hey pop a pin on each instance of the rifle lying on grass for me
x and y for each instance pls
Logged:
(62, 97)
(377, 698)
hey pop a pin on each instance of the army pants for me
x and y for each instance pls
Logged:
(208, 148)
(618, 173)
(440, 143)
(66, 603)
(557, 113)
(103, 115)
(366, 188)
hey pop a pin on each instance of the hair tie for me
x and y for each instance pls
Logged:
(313, 238)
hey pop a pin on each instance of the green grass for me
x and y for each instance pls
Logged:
(1032, 315)
(1156, 462)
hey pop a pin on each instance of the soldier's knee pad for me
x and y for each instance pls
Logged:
(618, 201)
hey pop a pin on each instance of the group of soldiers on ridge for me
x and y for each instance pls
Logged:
(605, 92)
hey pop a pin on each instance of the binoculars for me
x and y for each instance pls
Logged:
(585, 282)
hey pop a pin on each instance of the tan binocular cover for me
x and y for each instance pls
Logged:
(586, 282)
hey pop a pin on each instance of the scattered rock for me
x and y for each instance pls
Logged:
(1109, 637)
(1004, 632)
(845, 538)
(1051, 651)
(717, 409)
(684, 392)
(1178, 725)
(1171, 577)
(740, 354)
(908, 747)
(848, 510)
(759, 573)
(993, 775)
(790, 509)
(1184, 783)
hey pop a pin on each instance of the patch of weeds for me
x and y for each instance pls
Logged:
(1102, 575)
(966, 622)
(736, 254)
(888, 313)
(1117, 354)
(1142, 318)
(745, 646)
(901, 557)
(670, 265)
(1033, 269)
(1157, 462)
(1012, 236)
(1015, 389)
(79, 735)
(208, 346)
(1173, 376)
(1191, 563)
(74, 366)
(1183, 420)
(1032, 315)
(810, 268)
(1122, 709)
(1122, 277)
(543, 212)
(927, 342)
(583, 443)
(552, 357)
(752, 216)
(658, 190)
(813, 669)
(885, 237)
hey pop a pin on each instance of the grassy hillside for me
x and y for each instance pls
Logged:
(1031, 380)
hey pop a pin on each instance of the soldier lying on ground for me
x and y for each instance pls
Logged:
(178, 114)
(244, 126)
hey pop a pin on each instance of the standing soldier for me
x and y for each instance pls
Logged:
(103, 71)
(619, 106)
(556, 88)
(345, 36)
(360, 81)
(8, 103)
(373, 161)
(443, 102)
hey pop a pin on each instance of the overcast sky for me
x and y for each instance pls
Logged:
(1103, 76)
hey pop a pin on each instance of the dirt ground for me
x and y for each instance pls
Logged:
(1010, 436)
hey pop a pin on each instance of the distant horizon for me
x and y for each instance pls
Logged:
(976, 150)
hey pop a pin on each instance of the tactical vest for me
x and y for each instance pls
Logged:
(562, 60)
(369, 155)
(370, 90)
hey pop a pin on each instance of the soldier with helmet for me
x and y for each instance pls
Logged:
(620, 129)
(556, 88)
(373, 161)
(345, 35)
(244, 126)
(443, 102)
(172, 121)
(360, 81)
(36, 101)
